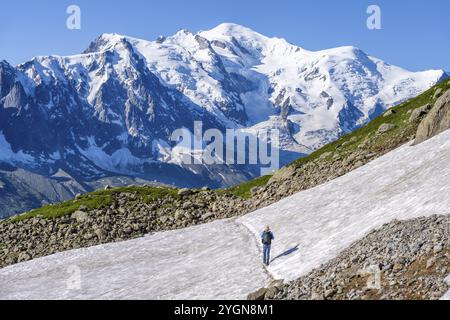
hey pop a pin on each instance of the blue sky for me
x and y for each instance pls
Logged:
(415, 34)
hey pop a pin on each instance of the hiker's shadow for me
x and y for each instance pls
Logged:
(286, 253)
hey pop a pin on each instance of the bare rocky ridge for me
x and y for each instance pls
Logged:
(401, 260)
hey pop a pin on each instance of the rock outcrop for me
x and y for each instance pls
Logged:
(437, 120)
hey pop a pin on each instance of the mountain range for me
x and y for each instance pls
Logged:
(72, 124)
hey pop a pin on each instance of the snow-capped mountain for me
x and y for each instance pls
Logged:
(112, 109)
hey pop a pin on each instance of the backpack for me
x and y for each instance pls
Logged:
(266, 237)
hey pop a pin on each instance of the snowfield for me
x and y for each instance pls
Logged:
(167, 265)
(222, 260)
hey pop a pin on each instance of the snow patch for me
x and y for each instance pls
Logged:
(8, 155)
(121, 161)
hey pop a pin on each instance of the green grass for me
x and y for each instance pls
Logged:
(244, 190)
(91, 202)
(97, 200)
(147, 194)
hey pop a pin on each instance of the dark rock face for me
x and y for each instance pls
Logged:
(7, 78)
(437, 120)
(257, 295)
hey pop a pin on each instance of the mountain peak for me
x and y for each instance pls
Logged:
(233, 30)
(104, 42)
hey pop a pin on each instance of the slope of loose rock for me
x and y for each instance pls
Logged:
(401, 260)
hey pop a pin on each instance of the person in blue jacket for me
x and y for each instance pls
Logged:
(266, 239)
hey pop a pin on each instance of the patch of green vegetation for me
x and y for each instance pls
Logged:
(90, 202)
(97, 200)
(146, 194)
(244, 190)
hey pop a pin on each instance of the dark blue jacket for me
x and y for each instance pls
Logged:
(271, 237)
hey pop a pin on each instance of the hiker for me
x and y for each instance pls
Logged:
(266, 239)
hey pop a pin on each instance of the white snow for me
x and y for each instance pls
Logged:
(8, 155)
(221, 260)
(406, 183)
(168, 265)
(121, 160)
(447, 295)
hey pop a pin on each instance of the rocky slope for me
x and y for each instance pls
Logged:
(402, 260)
(111, 110)
(125, 213)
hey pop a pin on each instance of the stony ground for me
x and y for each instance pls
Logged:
(401, 260)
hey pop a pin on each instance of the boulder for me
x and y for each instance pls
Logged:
(273, 289)
(385, 127)
(99, 233)
(163, 219)
(283, 174)
(389, 113)
(419, 112)
(208, 215)
(185, 192)
(80, 216)
(257, 295)
(23, 256)
(430, 262)
(438, 93)
(179, 214)
(437, 120)
(325, 155)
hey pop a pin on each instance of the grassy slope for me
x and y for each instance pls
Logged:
(346, 144)
(243, 190)
(97, 200)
